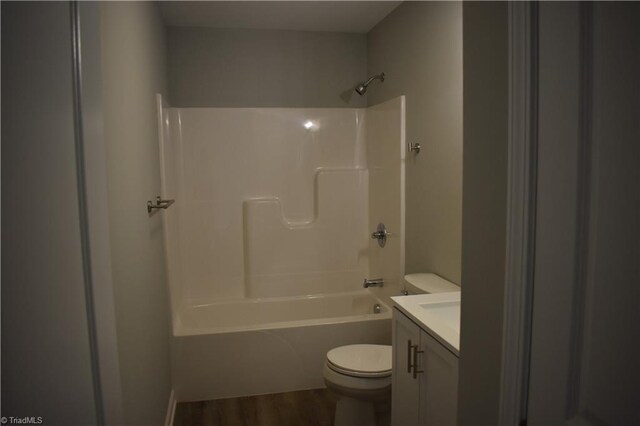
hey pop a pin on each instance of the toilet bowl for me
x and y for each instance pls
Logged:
(360, 377)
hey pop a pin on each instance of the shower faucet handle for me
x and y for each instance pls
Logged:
(381, 234)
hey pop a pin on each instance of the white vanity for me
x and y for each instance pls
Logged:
(426, 342)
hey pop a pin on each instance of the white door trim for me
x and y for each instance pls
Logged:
(94, 213)
(521, 206)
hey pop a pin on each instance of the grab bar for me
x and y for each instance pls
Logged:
(160, 204)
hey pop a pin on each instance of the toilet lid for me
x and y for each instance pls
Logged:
(361, 360)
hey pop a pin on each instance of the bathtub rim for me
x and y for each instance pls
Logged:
(179, 330)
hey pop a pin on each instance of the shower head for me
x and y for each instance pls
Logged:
(362, 87)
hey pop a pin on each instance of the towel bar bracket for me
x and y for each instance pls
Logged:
(159, 204)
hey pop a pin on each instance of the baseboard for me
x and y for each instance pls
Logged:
(171, 409)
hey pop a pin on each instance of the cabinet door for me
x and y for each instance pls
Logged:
(405, 389)
(438, 383)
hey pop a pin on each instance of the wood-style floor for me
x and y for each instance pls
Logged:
(303, 408)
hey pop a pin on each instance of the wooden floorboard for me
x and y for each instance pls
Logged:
(302, 408)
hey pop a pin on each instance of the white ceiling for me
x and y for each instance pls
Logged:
(335, 16)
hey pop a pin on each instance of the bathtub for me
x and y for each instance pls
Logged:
(259, 346)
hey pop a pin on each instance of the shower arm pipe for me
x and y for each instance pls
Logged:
(379, 76)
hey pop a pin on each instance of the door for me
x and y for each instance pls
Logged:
(586, 302)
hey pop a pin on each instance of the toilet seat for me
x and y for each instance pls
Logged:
(360, 377)
(364, 361)
(355, 386)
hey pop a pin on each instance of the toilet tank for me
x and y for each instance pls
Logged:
(428, 283)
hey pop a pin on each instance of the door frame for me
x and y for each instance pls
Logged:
(94, 210)
(521, 210)
(524, 85)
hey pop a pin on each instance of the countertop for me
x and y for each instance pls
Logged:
(438, 314)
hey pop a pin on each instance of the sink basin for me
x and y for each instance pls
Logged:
(438, 314)
(446, 312)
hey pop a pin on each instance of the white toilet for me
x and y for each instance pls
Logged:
(360, 376)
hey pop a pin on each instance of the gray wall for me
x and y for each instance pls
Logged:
(134, 63)
(484, 212)
(264, 68)
(419, 47)
(46, 360)
(611, 374)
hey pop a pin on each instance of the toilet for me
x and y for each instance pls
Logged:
(360, 376)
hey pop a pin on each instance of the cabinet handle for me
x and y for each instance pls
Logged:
(415, 362)
(409, 347)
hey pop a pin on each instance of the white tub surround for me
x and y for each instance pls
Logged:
(269, 201)
(386, 152)
(268, 241)
(274, 202)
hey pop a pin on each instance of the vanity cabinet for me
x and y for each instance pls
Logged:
(425, 377)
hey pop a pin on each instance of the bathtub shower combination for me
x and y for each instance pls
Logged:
(269, 240)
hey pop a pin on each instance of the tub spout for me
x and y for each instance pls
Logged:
(378, 282)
